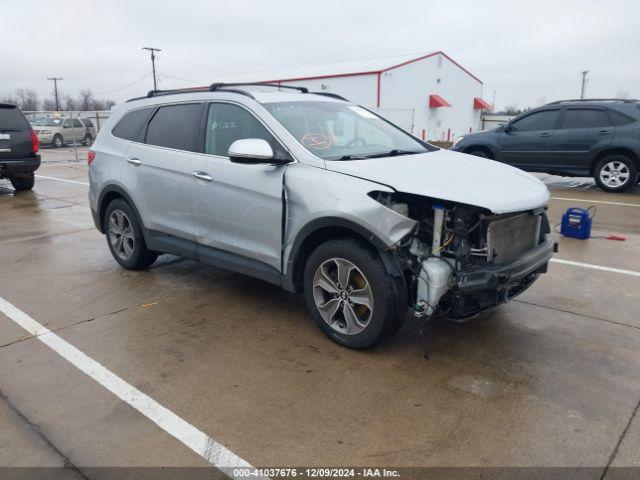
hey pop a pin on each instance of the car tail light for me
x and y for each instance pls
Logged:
(35, 145)
(91, 157)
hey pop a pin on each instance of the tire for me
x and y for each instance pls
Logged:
(23, 183)
(57, 141)
(478, 153)
(121, 222)
(87, 140)
(615, 173)
(369, 282)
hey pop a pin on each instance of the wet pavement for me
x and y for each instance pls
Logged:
(550, 379)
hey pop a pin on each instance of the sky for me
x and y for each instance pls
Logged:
(528, 52)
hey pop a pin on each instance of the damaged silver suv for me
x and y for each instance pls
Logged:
(318, 195)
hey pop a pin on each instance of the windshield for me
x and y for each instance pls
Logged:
(339, 131)
(48, 122)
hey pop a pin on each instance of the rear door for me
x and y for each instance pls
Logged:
(582, 130)
(527, 144)
(162, 166)
(15, 134)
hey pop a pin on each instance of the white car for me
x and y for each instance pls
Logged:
(318, 195)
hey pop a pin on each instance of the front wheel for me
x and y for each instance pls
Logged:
(23, 183)
(124, 237)
(57, 141)
(615, 173)
(350, 295)
(478, 153)
(87, 140)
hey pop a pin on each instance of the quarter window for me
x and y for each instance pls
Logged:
(619, 119)
(585, 118)
(130, 126)
(227, 123)
(175, 126)
(545, 120)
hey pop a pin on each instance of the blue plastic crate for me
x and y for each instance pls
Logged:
(576, 223)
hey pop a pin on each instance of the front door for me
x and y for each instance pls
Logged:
(160, 170)
(527, 143)
(238, 208)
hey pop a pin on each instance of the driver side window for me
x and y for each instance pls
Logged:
(545, 120)
(227, 123)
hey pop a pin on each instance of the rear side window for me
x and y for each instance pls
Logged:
(130, 126)
(87, 123)
(12, 119)
(175, 126)
(545, 120)
(227, 123)
(585, 118)
(619, 119)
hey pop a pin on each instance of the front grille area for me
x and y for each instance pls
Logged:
(509, 236)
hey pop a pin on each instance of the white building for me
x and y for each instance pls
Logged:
(430, 95)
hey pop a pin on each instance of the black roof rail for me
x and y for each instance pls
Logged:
(219, 86)
(623, 100)
(331, 95)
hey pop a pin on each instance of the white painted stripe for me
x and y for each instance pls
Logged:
(596, 267)
(54, 164)
(63, 180)
(202, 444)
(583, 200)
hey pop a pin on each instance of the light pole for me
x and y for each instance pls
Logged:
(55, 90)
(584, 83)
(153, 63)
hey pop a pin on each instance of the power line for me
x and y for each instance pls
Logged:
(55, 89)
(125, 86)
(153, 64)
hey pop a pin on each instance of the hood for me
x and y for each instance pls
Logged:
(452, 176)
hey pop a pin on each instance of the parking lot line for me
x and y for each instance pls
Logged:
(202, 444)
(596, 267)
(62, 180)
(621, 204)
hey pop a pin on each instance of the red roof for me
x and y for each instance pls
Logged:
(480, 104)
(436, 101)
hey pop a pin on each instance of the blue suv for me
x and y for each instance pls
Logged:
(597, 138)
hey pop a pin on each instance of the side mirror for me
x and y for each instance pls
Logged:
(253, 151)
(507, 127)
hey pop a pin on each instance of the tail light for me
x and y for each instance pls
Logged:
(91, 157)
(35, 145)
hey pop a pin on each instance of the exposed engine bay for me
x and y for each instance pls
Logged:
(460, 260)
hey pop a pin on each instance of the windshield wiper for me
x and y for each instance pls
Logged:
(393, 153)
(350, 157)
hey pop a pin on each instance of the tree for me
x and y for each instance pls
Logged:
(622, 93)
(511, 110)
(49, 104)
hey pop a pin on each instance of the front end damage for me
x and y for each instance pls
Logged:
(460, 260)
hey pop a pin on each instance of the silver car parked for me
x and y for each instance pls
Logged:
(318, 195)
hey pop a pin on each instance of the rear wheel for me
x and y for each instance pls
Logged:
(87, 140)
(350, 295)
(615, 173)
(23, 182)
(125, 238)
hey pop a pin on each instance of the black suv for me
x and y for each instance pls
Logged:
(595, 138)
(19, 156)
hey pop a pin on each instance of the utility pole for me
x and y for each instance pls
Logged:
(153, 63)
(584, 82)
(55, 90)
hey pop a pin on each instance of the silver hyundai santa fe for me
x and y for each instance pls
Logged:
(318, 195)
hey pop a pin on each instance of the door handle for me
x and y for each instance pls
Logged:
(604, 132)
(545, 134)
(134, 161)
(203, 176)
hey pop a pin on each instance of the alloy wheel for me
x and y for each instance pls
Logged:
(343, 296)
(121, 234)
(614, 174)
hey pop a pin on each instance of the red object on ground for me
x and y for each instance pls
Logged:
(619, 238)
(436, 101)
(480, 104)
